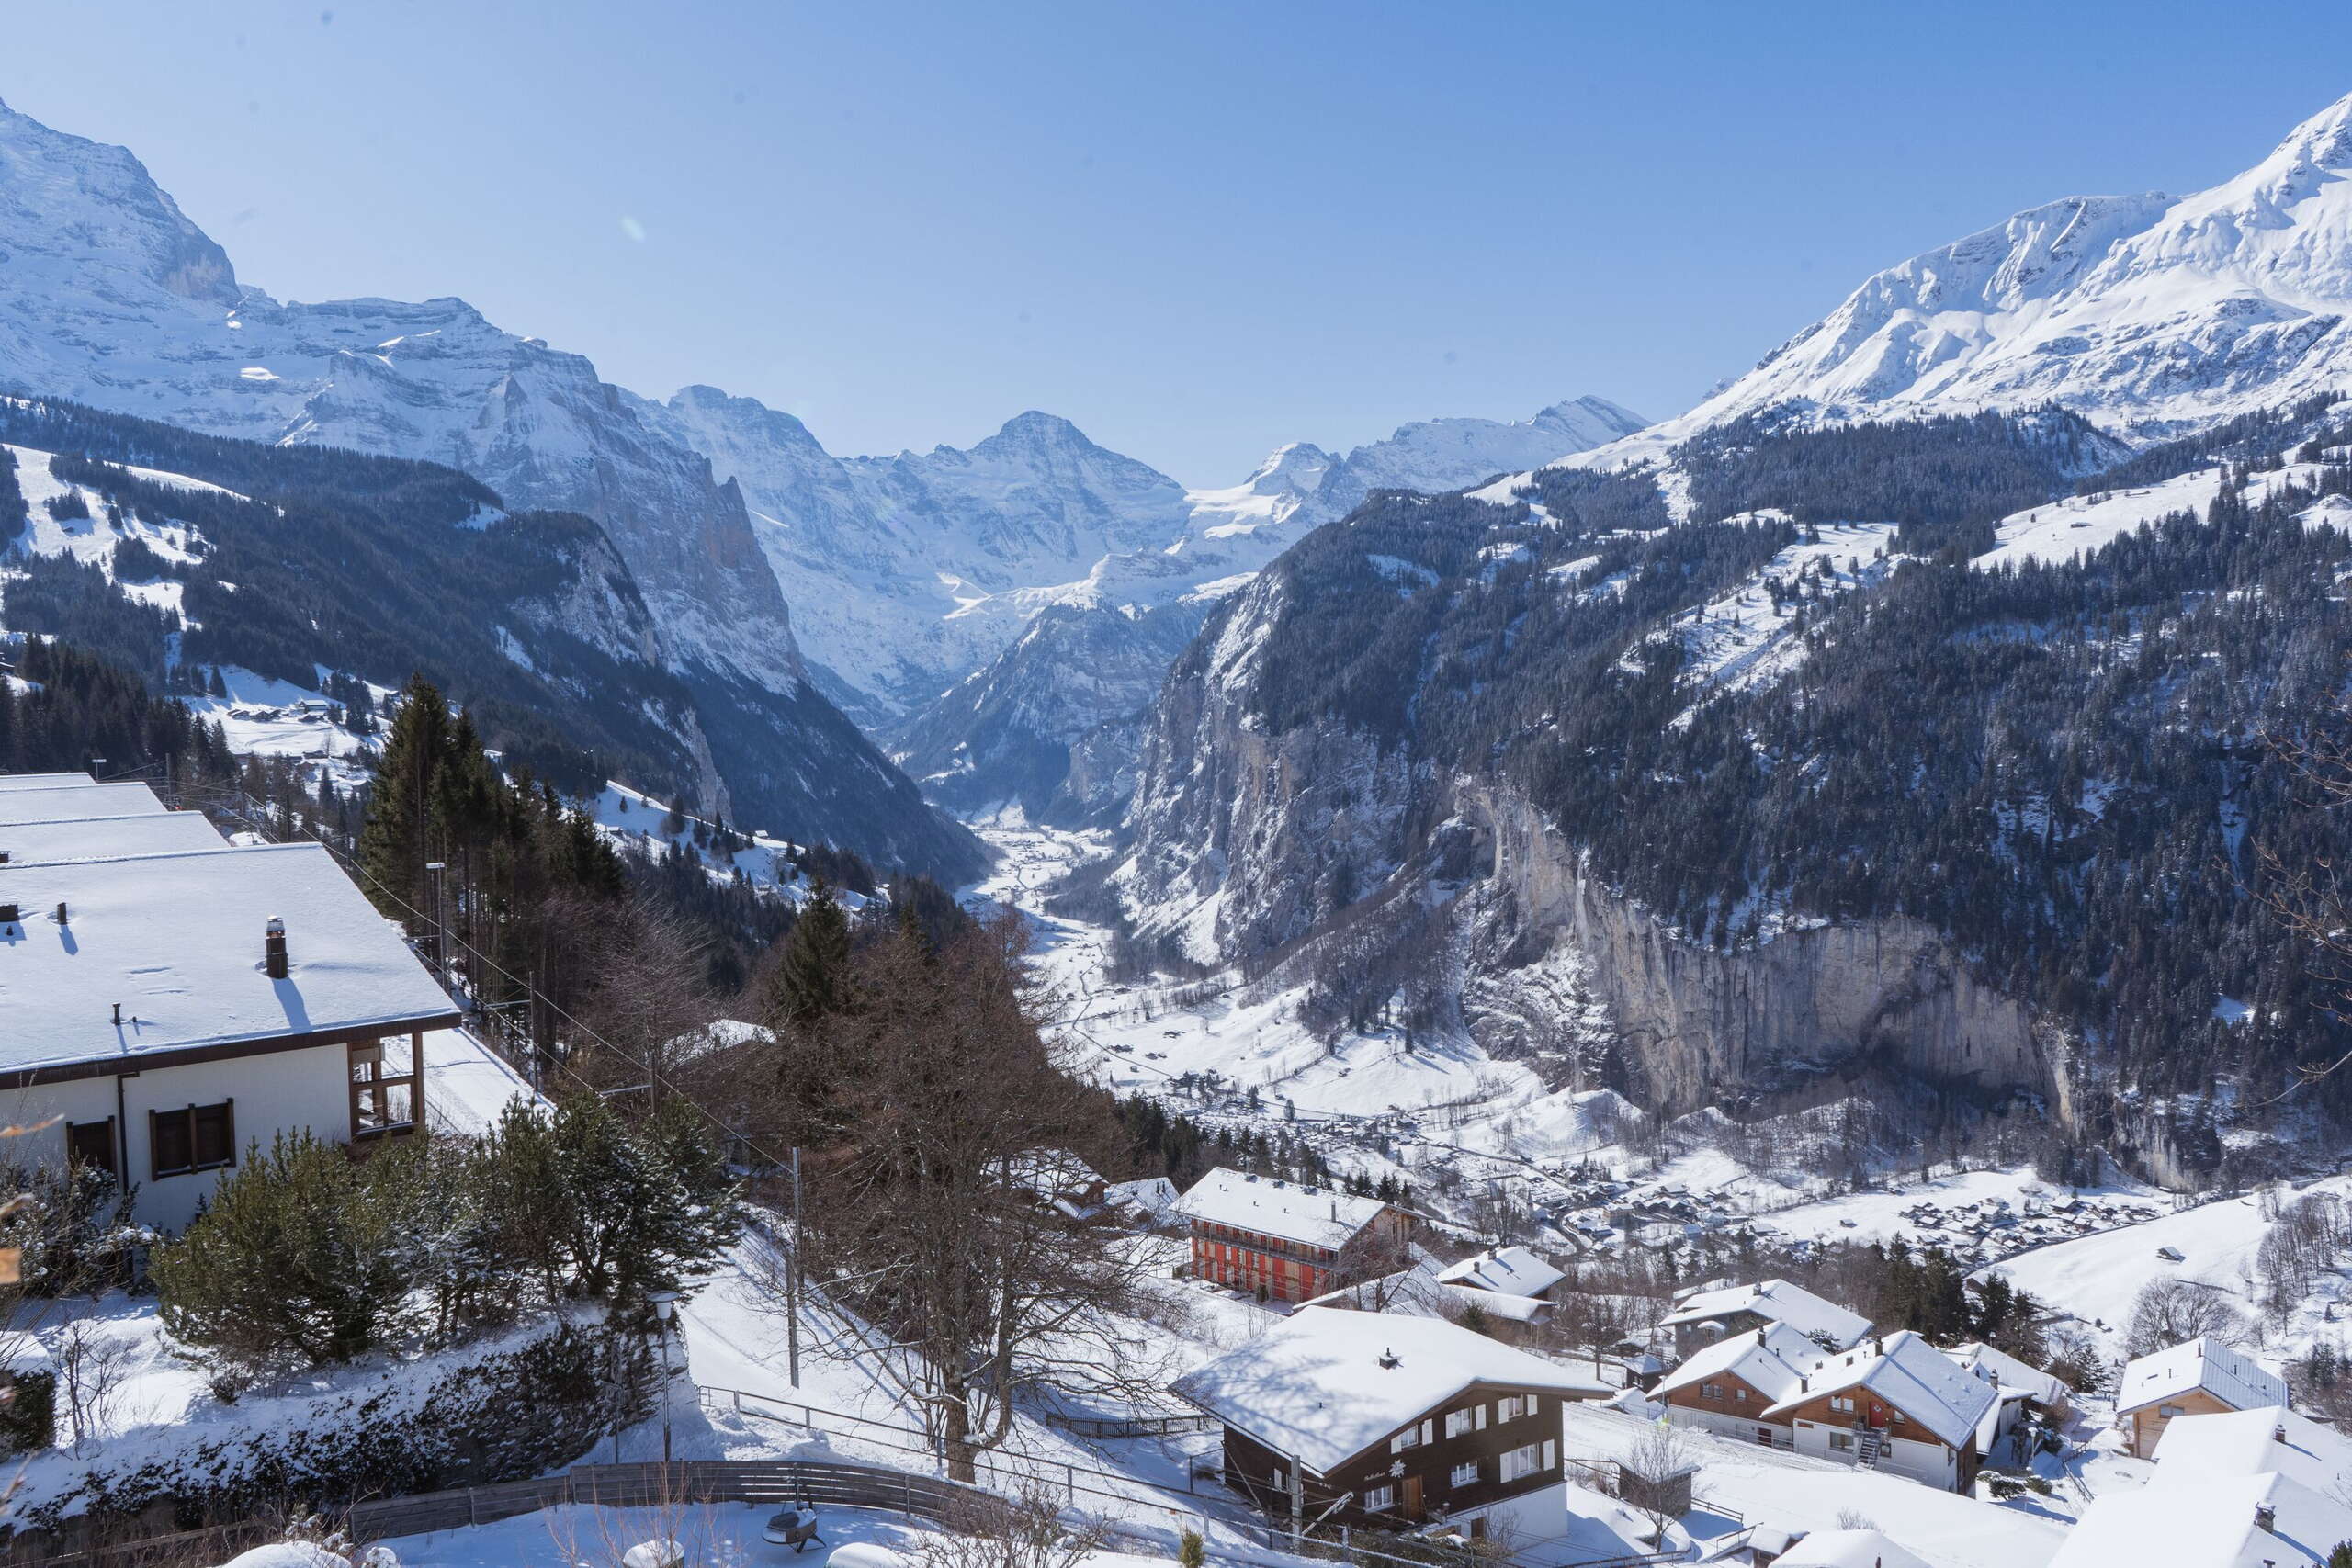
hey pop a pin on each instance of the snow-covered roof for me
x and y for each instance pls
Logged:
(2266, 1440)
(1310, 1217)
(2185, 1521)
(1152, 1195)
(1461, 1299)
(1324, 1385)
(1848, 1549)
(177, 940)
(2012, 1375)
(83, 802)
(12, 781)
(2230, 1375)
(1778, 1300)
(1408, 1293)
(1906, 1371)
(1772, 1360)
(105, 838)
(1513, 1270)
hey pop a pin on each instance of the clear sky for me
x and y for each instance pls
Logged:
(1197, 230)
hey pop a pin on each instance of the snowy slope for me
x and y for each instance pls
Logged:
(2148, 314)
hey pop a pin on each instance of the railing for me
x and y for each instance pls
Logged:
(1106, 1426)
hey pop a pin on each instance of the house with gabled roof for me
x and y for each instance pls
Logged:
(163, 1009)
(1365, 1418)
(1287, 1240)
(1704, 1316)
(2201, 1377)
(1895, 1404)
(1726, 1387)
(2230, 1490)
(1505, 1271)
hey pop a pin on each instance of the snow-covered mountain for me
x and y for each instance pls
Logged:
(1052, 720)
(2151, 315)
(110, 297)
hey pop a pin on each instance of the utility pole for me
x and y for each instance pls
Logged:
(792, 1279)
(1297, 1500)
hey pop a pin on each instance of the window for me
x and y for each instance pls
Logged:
(1739, 1395)
(385, 1085)
(200, 1137)
(91, 1144)
(1510, 1409)
(1379, 1499)
(2168, 1411)
(1842, 1401)
(1457, 1422)
(1764, 1436)
(1410, 1437)
(1467, 1473)
(1711, 1391)
(1522, 1461)
(1841, 1442)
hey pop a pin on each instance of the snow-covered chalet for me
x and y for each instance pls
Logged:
(1290, 1241)
(167, 999)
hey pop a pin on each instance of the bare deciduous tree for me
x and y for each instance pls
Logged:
(2172, 1312)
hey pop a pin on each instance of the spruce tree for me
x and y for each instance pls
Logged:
(812, 979)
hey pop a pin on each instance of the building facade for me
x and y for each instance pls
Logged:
(1288, 1242)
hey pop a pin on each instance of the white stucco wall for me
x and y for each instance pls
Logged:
(282, 1091)
(1930, 1463)
(1740, 1428)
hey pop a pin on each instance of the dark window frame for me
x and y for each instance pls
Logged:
(75, 1139)
(195, 1130)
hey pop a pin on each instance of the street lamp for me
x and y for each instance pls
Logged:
(665, 1305)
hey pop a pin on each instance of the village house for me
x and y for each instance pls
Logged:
(2028, 1395)
(2203, 1377)
(1704, 1316)
(1285, 1241)
(1064, 1184)
(167, 1001)
(1505, 1271)
(2262, 1485)
(1367, 1419)
(1896, 1403)
(1726, 1387)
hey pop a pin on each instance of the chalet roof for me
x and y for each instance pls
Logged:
(1151, 1195)
(2012, 1375)
(2230, 1375)
(2266, 1440)
(1461, 1299)
(12, 782)
(1778, 1300)
(1408, 1293)
(1513, 1270)
(1308, 1216)
(105, 838)
(1848, 1549)
(1773, 1360)
(2207, 1521)
(1906, 1371)
(1324, 1385)
(177, 940)
(84, 801)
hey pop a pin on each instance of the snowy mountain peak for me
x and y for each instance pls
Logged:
(2150, 314)
(68, 200)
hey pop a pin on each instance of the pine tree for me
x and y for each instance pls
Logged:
(812, 980)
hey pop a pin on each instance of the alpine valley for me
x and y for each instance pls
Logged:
(1900, 728)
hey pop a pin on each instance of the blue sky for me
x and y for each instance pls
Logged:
(1197, 230)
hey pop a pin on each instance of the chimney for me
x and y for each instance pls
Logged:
(273, 949)
(117, 1015)
(2266, 1516)
(1389, 1359)
(9, 915)
(61, 913)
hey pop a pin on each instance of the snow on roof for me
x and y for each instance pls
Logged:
(2266, 1440)
(1461, 1299)
(1310, 1217)
(107, 837)
(1408, 1293)
(9, 782)
(1778, 1300)
(1906, 1371)
(1773, 1360)
(2207, 1522)
(83, 802)
(1513, 1270)
(1153, 1195)
(1325, 1385)
(177, 938)
(1848, 1549)
(2042, 1387)
(2230, 1375)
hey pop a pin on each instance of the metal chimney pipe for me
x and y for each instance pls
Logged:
(273, 949)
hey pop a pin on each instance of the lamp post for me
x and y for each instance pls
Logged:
(664, 1304)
